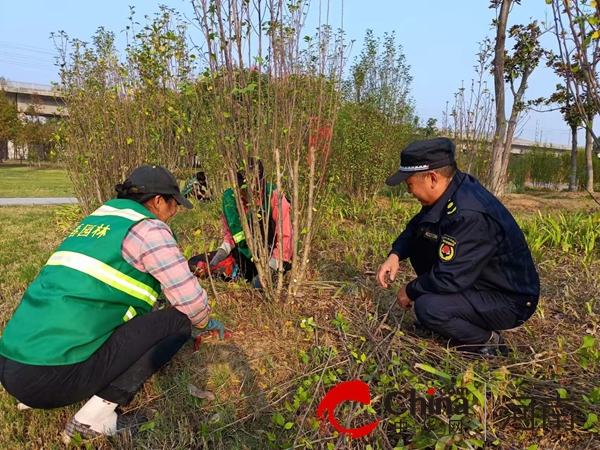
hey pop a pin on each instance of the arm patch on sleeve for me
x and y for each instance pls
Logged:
(447, 248)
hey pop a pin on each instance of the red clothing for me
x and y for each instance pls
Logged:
(287, 228)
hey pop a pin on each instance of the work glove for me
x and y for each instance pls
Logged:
(220, 256)
(274, 264)
(215, 325)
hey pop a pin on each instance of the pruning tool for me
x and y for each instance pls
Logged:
(206, 336)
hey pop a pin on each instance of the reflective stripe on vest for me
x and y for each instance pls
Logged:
(238, 237)
(130, 214)
(103, 272)
(130, 314)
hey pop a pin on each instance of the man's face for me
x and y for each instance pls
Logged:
(420, 185)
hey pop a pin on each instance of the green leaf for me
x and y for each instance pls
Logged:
(77, 440)
(548, 2)
(478, 395)
(288, 425)
(129, 141)
(148, 426)
(532, 447)
(433, 370)
(595, 395)
(588, 341)
(591, 420)
(271, 437)
(441, 444)
(562, 393)
(278, 419)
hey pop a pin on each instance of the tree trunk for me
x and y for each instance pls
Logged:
(507, 147)
(573, 177)
(496, 181)
(589, 153)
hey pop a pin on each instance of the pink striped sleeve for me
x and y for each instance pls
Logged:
(150, 247)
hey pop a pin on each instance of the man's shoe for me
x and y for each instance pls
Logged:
(494, 347)
(422, 331)
(125, 422)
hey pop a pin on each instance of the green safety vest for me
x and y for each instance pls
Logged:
(83, 293)
(234, 222)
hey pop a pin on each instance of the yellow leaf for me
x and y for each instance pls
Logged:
(263, 371)
(596, 35)
(593, 4)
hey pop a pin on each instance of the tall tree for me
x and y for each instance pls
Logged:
(568, 108)
(577, 28)
(471, 119)
(10, 124)
(376, 117)
(513, 70)
(498, 64)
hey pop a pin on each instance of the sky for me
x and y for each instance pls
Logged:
(440, 39)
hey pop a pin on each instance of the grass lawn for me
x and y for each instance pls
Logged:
(25, 181)
(270, 376)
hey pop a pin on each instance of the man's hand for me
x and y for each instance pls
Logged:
(391, 266)
(403, 301)
(214, 325)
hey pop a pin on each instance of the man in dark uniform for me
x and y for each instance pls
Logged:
(475, 273)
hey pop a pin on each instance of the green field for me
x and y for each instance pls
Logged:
(282, 358)
(31, 181)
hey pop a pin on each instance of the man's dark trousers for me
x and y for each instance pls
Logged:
(469, 317)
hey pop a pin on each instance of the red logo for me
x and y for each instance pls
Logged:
(355, 390)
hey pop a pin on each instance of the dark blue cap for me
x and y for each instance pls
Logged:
(421, 156)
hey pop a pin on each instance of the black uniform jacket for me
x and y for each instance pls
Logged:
(467, 239)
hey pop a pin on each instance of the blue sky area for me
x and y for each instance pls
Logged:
(440, 39)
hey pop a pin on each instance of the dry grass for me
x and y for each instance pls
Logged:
(277, 362)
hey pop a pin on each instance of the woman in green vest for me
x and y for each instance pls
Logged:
(234, 241)
(85, 327)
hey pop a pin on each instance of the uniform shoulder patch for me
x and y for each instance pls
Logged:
(450, 207)
(447, 248)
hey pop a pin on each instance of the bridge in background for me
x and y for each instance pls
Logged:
(51, 103)
(45, 98)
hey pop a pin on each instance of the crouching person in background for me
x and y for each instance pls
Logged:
(234, 250)
(84, 327)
